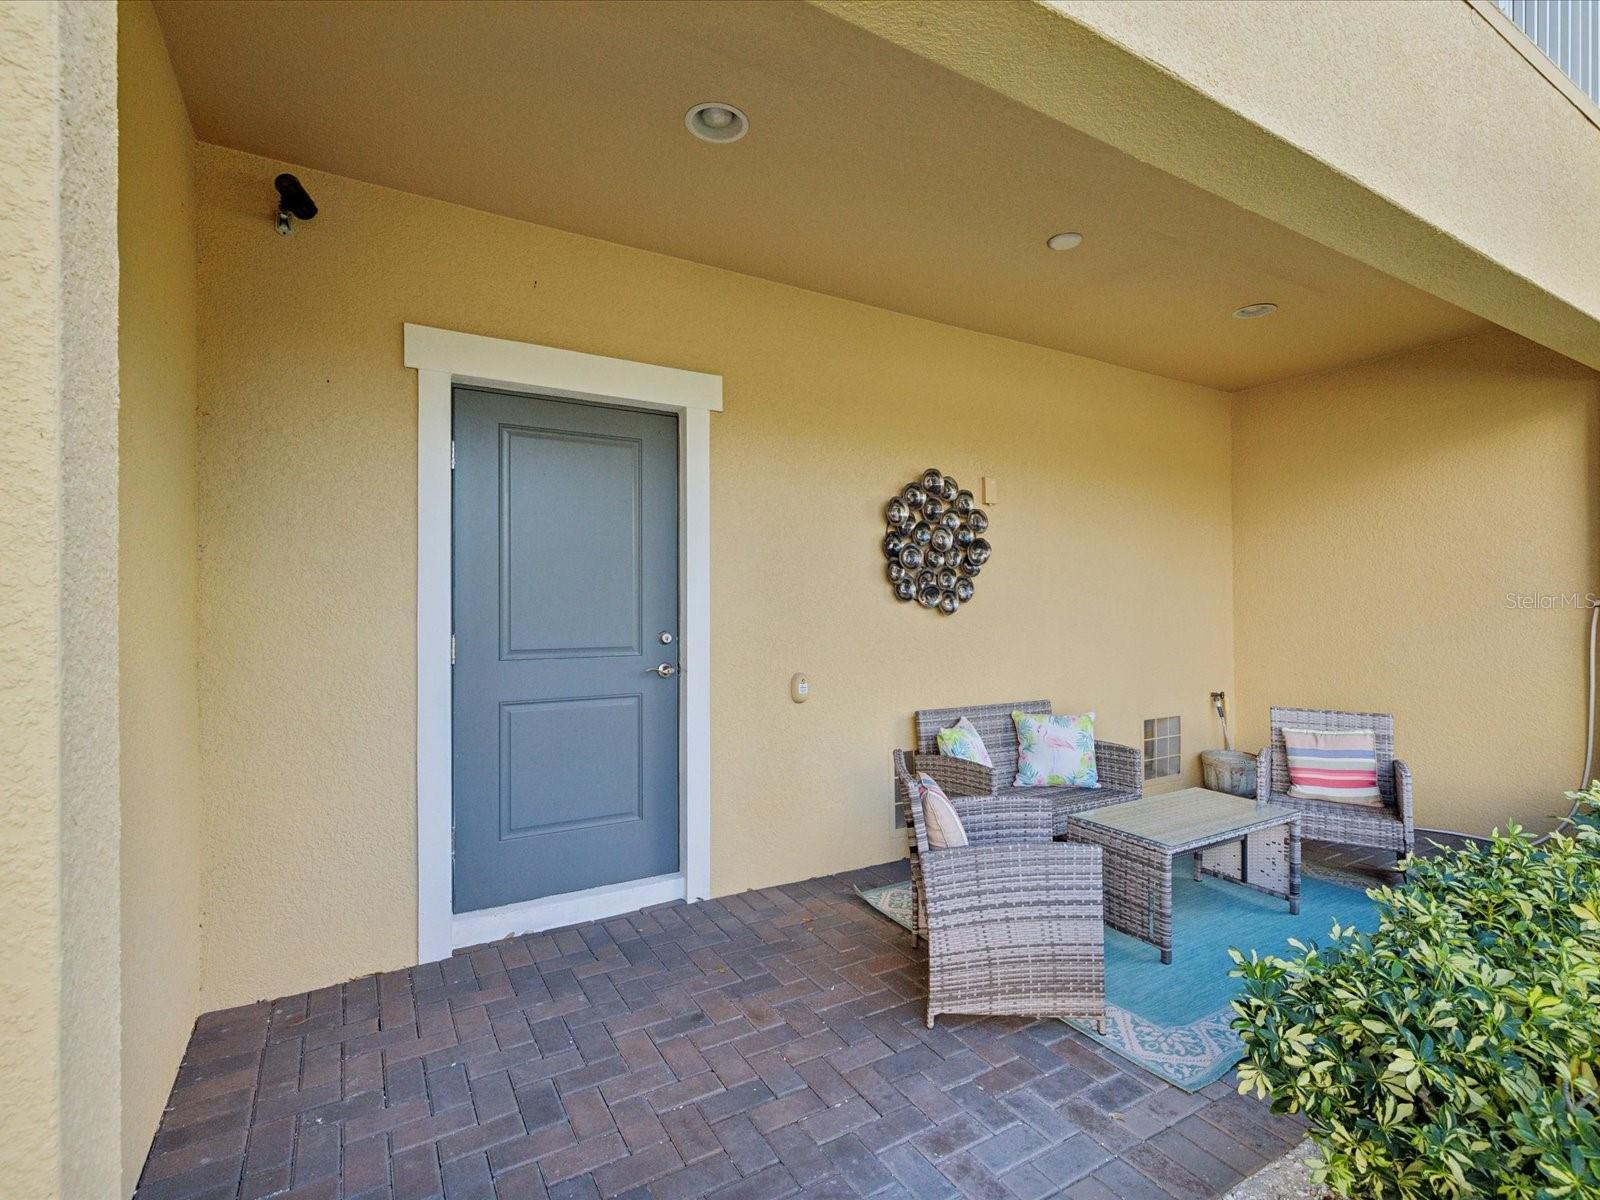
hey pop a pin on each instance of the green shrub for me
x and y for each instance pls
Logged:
(1454, 1051)
(1586, 806)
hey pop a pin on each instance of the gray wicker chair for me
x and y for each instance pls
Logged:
(1121, 768)
(1013, 919)
(1386, 828)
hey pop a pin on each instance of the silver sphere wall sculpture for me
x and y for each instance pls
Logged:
(935, 543)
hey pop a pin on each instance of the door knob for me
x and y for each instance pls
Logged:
(666, 670)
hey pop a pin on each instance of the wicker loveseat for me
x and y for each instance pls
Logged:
(1014, 919)
(1386, 828)
(1121, 768)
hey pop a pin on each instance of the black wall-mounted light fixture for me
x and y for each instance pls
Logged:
(294, 203)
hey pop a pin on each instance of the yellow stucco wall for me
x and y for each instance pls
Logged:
(1110, 587)
(1385, 517)
(158, 571)
(30, 729)
(59, 828)
(91, 819)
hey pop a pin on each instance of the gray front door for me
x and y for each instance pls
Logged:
(566, 584)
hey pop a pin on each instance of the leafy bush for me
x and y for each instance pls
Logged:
(1586, 806)
(1454, 1051)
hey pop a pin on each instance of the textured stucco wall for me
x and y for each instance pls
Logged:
(91, 1006)
(30, 676)
(158, 580)
(60, 1132)
(1110, 586)
(1408, 135)
(1383, 514)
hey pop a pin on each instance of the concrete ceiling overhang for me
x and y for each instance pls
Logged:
(872, 169)
(1424, 140)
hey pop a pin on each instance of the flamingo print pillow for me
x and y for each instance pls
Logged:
(1055, 750)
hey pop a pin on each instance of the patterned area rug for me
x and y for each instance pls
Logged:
(1174, 1020)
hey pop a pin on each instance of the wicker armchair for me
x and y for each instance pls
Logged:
(1386, 828)
(1121, 768)
(1013, 919)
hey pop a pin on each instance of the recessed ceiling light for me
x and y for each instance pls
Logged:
(1065, 241)
(716, 122)
(1251, 311)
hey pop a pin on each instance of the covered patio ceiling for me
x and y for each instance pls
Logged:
(868, 172)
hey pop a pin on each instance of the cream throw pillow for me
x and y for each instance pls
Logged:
(939, 816)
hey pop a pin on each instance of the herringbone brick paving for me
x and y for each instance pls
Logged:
(763, 1045)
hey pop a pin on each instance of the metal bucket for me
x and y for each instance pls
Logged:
(1231, 771)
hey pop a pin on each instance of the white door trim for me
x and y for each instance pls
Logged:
(592, 904)
(443, 358)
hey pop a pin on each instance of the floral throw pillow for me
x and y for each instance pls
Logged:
(962, 740)
(1055, 751)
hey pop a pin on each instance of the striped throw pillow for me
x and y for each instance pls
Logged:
(1340, 766)
(939, 816)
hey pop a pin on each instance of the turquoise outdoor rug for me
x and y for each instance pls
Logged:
(1174, 1020)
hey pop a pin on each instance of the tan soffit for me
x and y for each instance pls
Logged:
(869, 172)
(1411, 136)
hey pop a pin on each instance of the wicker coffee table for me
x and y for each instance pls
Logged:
(1252, 844)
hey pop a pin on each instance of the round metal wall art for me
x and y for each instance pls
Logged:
(935, 543)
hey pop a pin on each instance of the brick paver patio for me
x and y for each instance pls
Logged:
(762, 1045)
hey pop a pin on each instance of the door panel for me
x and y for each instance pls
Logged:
(544, 788)
(565, 577)
(574, 502)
